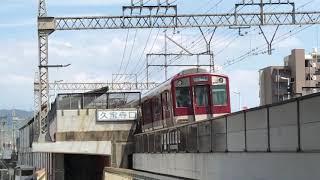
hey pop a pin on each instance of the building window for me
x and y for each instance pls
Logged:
(307, 63)
(308, 77)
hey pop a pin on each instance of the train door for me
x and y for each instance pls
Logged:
(202, 105)
(201, 97)
(166, 109)
(182, 101)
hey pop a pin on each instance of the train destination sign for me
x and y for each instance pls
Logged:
(116, 115)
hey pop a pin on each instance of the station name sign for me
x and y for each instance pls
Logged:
(116, 115)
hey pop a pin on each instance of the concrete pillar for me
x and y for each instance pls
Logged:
(121, 154)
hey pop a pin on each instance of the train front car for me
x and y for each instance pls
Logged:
(199, 96)
(192, 95)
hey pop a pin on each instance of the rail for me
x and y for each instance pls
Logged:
(290, 126)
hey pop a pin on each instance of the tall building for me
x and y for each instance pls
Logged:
(299, 76)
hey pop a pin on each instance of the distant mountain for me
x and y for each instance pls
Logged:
(20, 114)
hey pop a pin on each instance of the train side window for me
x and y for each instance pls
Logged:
(147, 112)
(219, 95)
(157, 106)
(165, 101)
(183, 97)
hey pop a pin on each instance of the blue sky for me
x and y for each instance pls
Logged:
(96, 55)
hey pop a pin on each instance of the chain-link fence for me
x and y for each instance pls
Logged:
(97, 100)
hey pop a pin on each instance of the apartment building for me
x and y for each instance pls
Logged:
(299, 76)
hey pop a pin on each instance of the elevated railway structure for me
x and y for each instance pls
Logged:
(279, 141)
(76, 126)
(87, 132)
(170, 19)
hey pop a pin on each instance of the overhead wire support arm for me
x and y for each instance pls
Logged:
(179, 45)
(269, 43)
(208, 46)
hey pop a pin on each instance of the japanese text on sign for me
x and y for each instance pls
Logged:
(116, 115)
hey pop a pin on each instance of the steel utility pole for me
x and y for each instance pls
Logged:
(47, 25)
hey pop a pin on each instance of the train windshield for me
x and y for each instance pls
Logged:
(219, 95)
(202, 95)
(219, 91)
(183, 97)
(26, 172)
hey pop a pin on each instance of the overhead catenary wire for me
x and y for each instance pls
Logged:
(153, 44)
(123, 54)
(198, 40)
(130, 55)
(255, 52)
(258, 50)
(228, 44)
(142, 54)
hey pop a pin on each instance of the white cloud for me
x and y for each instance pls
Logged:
(15, 80)
(290, 43)
(247, 83)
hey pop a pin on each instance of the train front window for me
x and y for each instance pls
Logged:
(26, 172)
(219, 95)
(183, 97)
(202, 95)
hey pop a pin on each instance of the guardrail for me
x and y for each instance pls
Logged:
(290, 126)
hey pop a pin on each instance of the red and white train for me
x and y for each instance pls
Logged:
(192, 95)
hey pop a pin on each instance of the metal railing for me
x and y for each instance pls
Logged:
(108, 100)
(4, 174)
(290, 126)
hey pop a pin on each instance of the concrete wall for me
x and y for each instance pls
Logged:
(291, 126)
(310, 124)
(279, 142)
(74, 130)
(233, 166)
(85, 121)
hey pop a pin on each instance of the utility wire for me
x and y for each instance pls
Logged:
(130, 55)
(142, 54)
(257, 51)
(123, 54)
